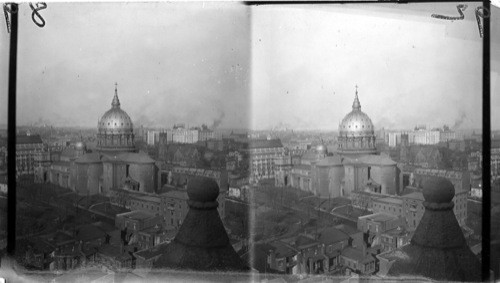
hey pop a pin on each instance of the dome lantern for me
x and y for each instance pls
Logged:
(116, 102)
(356, 105)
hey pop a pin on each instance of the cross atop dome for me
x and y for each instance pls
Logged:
(356, 105)
(116, 101)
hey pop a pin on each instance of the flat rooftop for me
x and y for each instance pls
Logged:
(391, 200)
(379, 217)
(148, 198)
(137, 215)
(393, 255)
(178, 194)
(415, 195)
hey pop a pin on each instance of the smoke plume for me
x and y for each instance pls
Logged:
(460, 120)
(218, 120)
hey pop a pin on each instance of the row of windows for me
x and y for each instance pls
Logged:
(109, 124)
(151, 207)
(389, 208)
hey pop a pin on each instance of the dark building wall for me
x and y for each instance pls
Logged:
(145, 174)
(355, 178)
(349, 174)
(386, 177)
(87, 178)
(322, 182)
(113, 176)
(107, 177)
(335, 176)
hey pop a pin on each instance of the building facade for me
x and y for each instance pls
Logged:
(27, 149)
(114, 165)
(262, 155)
(355, 167)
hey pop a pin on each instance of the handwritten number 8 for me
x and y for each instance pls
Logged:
(39, 6)
(11, 8)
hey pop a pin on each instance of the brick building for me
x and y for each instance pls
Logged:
(27, 147)
(262, 155)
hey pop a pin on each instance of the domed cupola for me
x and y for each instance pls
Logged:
(321, 150)
(356, 131)
(115, 129)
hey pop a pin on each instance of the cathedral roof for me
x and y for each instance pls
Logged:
(69, 152)
(128, 157)
(135, 157)
(370, 159)
(438, 249)
(330, 161)
(115, 120)
(93, 157)
(356, 122)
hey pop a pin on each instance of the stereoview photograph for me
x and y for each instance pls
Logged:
(226, 141)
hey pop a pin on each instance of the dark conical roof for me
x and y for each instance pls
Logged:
(438, 249)
(202, 243)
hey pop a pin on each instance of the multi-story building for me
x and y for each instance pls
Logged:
(495, 159)
(27, 147)
(262, 156)
(153, 137)
(179, 176)
(183, 135)
(392, 205)
(149, 203)
(165, 138)
(447, 135)
(358, 260)
(423, 136)
(393, 139)
(205, 134)
(395, 238)
(154, 236)
(137, 220)
(282, 168)
(328, 251)
(377, 223)
(174, 207)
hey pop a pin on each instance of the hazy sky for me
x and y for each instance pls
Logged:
(410, 68)
(214, 62)
(186, 62)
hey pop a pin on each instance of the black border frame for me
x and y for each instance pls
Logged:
(486, 114)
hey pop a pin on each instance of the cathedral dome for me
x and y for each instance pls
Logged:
(115, 130)
(115, 120)
(80, 146)
(356, 131)
(321, 149)
(356, 122)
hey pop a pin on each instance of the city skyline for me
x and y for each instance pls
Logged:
(169, 60)
(307, 61)
(227, 94)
